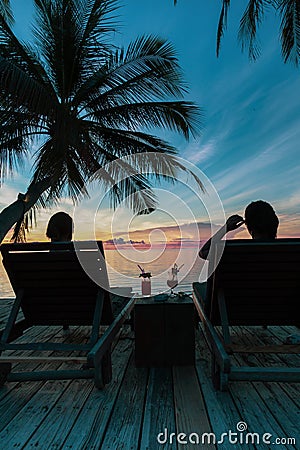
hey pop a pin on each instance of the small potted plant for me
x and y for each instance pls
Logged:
(146, 282)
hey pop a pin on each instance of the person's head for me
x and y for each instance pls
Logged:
(60, 227)
(261, 220)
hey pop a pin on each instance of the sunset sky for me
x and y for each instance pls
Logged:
(249, 148)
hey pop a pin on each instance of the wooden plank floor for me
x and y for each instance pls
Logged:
(139, 404)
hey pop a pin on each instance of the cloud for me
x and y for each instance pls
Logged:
(197, 153)
(239, 199)
(291, 202)
(8, 195)
(247, 171)
(188, 231)
(289, 225)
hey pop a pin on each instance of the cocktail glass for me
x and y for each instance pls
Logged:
(172, 282)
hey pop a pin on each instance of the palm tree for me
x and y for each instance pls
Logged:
(251, 20)
(85, 103)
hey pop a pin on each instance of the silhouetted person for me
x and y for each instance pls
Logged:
(260, 219)
(60, 227)
(261, 222)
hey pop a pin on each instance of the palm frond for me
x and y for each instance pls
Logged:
(157, 164)
(167, 166)
(55, 33)
(182, 170)
(24, 224)
(249, 23)
(136, 197)
(182, 117)
(23, 91)
(70, 34)
(126, 179)
(123, 178)
(6, 12)
(10, 160)
(148, 69)
(96, 20)
(141, 150)
(118, 143)
(28, 220)
(23, 56)
(17, 131)
(290, 30)
(222, 25)
(63, 163)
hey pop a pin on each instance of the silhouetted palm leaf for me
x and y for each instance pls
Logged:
(222, 25)
(290, 30)
(5, 11)
(249, 24)
(288, 10)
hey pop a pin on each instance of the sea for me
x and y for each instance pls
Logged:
(123, 270)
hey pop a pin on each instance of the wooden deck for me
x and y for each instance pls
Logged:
(141, 403)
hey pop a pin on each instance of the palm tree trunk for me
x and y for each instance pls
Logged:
(12, 213)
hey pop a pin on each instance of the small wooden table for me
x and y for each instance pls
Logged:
(164, 332)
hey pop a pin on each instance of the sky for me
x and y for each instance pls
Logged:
(249, 148)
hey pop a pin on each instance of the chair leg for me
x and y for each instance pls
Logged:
(17, 330)
(5, 369)
(5, 334)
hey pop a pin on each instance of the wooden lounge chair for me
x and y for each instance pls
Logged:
(255, 283)
(52, 288)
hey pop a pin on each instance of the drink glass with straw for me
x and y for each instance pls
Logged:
(146, 282)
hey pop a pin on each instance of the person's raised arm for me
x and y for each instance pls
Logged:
(232, 223)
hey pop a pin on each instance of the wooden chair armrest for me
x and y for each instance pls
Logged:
(98, 351)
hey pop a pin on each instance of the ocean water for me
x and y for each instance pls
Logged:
(123, 271)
